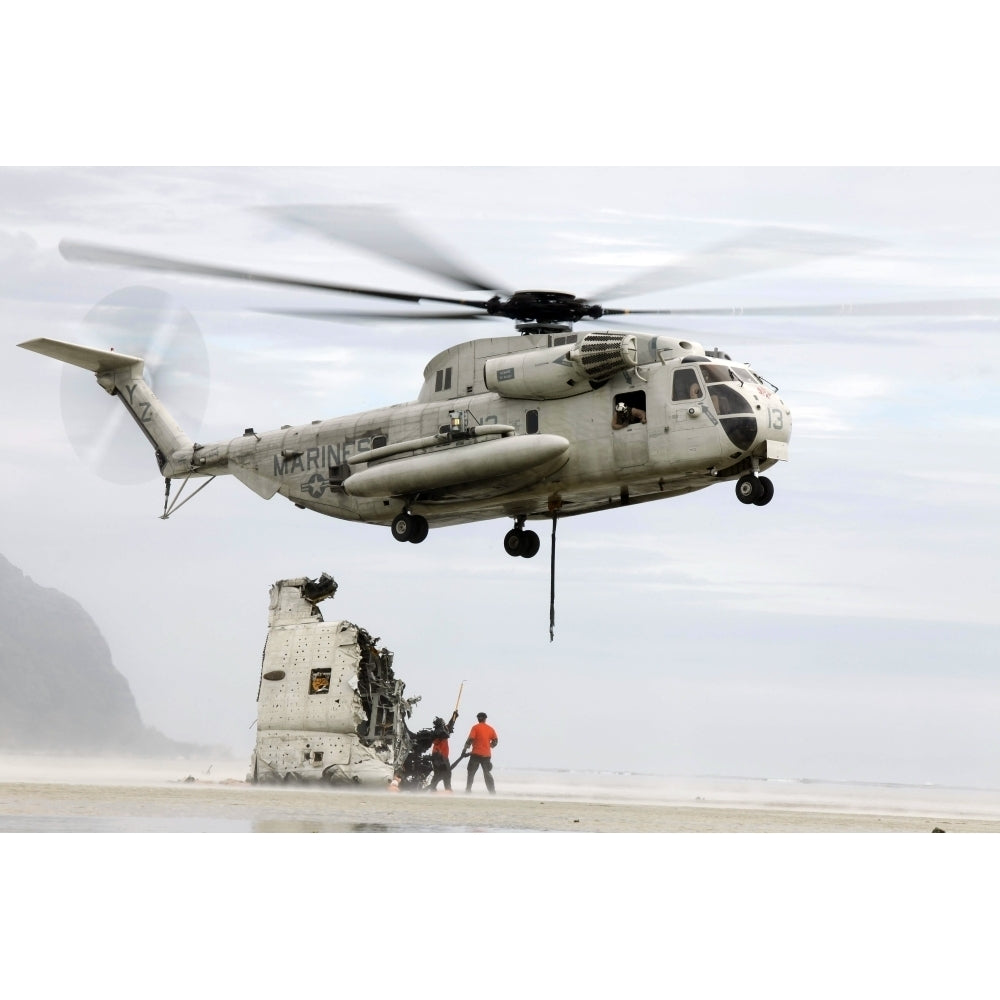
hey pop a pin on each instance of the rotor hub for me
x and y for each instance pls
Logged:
(543, 307)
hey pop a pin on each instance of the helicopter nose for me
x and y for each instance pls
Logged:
(779, 420)
(776, 427)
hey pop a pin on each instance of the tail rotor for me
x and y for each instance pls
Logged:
(147, 323)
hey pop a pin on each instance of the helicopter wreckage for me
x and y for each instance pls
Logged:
(330, 709)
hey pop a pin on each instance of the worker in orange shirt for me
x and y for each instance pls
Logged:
(482, 739)
(439, 751)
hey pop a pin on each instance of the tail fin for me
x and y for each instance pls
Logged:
(121, 375)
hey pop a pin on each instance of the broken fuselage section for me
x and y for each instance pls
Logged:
(329, 708)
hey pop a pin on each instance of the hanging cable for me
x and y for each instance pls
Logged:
(552, 582)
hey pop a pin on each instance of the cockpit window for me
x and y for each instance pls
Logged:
(745, 375)
(727, 400)
(717, 373)
(686, 385)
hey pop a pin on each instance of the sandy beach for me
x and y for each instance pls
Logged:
(771, 904)
(42, 795)
(208, 807)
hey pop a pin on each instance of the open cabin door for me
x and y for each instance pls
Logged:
(629, 431)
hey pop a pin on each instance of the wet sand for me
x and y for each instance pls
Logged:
(234, 806)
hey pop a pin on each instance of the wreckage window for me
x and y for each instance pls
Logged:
(319, 681)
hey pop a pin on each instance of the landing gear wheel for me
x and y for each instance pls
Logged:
(404, 527)
(518, 542)
(749, 489)
(768, 491)
(532, 543)
(513, 542)
(420, 528)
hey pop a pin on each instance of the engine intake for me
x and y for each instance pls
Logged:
(555, 373)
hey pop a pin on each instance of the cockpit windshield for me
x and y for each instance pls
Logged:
(717, 373)
(714, 374)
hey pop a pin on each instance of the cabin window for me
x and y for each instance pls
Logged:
(531, 421)
(442, 379)
(379, 441)
(686, 385)
(319, 680)
(629, 408)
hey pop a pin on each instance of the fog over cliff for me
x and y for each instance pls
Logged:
(59, 689)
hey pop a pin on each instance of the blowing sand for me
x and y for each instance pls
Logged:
(144, 804)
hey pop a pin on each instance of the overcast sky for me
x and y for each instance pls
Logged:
(846, 631)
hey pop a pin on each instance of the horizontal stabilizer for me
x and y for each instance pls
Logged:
(261, 485)
(83, 357)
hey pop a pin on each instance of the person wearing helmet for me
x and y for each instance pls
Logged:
(482, 739)
(625, 415)
(439, 751)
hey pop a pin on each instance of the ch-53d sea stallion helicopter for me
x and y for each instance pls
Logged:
(548, 423)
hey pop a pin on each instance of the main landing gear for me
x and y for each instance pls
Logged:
(518, 542)
(757, 490)
(410, 528)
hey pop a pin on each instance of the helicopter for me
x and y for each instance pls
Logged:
(551, 422)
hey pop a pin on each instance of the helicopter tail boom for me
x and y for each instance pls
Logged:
(121, 375)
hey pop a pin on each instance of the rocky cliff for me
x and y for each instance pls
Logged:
(59, 690)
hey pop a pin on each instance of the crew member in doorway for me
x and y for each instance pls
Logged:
(626, 415)
(482, 739)
(439, 751)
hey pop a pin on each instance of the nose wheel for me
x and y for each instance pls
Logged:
(757, 490)
(410, 528)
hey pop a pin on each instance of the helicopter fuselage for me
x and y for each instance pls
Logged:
(514, 427)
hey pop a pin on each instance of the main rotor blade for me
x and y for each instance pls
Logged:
(758, 250)
(94, 254)
(379, 230)
(939, 307)
(338, 315)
